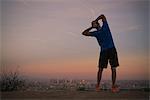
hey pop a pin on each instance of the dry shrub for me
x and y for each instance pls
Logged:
(11, 81)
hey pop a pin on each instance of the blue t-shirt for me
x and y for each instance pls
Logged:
(104, 37)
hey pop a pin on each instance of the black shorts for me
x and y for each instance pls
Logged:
(108, 55)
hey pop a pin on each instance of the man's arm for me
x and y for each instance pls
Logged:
(86, 32)
(101, 17)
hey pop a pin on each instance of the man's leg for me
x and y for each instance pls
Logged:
(113, 60)
(114, 86)
(99, 76)
(103, 61)
(113, 76)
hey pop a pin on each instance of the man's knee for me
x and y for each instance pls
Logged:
(113, 69)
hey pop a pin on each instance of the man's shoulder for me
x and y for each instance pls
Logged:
(105, 25)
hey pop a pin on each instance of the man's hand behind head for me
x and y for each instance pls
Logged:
(95, 24)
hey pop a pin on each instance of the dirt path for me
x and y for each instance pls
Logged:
(75, 95)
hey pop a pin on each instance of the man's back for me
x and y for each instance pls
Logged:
(104, 37)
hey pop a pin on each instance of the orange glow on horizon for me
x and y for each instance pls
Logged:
(87, 68)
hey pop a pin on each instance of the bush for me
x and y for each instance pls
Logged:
(11, 81)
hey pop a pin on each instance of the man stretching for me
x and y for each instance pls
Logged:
(108, 51)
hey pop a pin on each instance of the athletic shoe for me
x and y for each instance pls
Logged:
(115, 89)
(97, 88)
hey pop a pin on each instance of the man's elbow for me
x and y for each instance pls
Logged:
(84, 33)
(103, 17)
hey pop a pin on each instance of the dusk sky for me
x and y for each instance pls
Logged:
(44, 37)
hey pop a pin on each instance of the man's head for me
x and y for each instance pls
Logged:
(95, 24)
